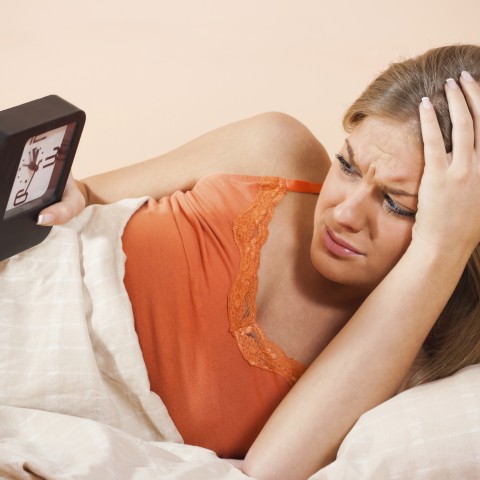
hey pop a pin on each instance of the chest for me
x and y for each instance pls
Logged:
(290, 302)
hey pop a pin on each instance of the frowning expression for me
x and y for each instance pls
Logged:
(366, 209)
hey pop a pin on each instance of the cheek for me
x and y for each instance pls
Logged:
(387, 250)
(331, 194)
(397, 235)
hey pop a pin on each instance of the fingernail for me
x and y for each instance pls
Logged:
(46, 219)
(466, 76)
(426, 103)
(452, 84)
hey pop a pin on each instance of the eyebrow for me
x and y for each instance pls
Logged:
(392, 191)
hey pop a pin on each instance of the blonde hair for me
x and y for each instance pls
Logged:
(454, 341)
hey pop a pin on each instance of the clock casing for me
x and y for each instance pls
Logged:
(38, 141)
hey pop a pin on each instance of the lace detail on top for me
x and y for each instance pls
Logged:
(250, 231)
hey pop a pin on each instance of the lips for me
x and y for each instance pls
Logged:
(338, 246)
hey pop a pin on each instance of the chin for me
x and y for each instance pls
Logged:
(347, 272)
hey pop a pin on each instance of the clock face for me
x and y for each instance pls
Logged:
(39, 166)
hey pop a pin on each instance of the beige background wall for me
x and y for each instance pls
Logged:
(152, 74)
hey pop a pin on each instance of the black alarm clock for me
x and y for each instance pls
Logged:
(38, 141)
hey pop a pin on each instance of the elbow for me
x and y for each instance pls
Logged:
(257, 466)
(288, 465)
(260, 471)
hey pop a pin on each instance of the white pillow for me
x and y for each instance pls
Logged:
(428, 432)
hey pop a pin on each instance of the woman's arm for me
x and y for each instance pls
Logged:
(362, 367)
(366, 362)
(267, 144)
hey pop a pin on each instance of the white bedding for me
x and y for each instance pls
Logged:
(75, 401)
(74, 393)
(36, 444)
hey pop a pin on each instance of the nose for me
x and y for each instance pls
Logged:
(352, 212)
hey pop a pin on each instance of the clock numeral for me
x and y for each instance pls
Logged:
(20, 197)
(52, 158)
(37, 138)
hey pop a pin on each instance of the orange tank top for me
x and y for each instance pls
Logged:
(191, 275)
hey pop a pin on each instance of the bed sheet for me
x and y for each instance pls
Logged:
(36, 444)
(75, 401)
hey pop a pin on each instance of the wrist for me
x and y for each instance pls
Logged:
(437, 257)
(84, 191)
(453, 244)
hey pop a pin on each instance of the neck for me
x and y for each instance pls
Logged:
(316, 287)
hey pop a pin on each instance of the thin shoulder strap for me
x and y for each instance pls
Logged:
(302, 186)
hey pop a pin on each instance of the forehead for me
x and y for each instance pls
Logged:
(386, 142)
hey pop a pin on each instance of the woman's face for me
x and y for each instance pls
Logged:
(365, 211)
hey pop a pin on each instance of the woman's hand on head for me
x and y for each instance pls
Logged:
(449, 196)
(72, 203)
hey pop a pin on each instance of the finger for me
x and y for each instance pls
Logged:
(471, 90)
(462, 124)
(57, 214)
(433, 145)
(73, 202)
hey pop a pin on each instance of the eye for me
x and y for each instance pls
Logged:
(346, 167)
(392, 207)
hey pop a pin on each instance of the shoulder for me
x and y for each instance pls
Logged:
(288, 148)
(273, 144)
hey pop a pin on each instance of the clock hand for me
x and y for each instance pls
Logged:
(31, 178)
(33, 165)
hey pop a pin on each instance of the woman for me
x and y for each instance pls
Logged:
(394, 228)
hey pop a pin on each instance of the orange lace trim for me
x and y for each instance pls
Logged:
(250, 231)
